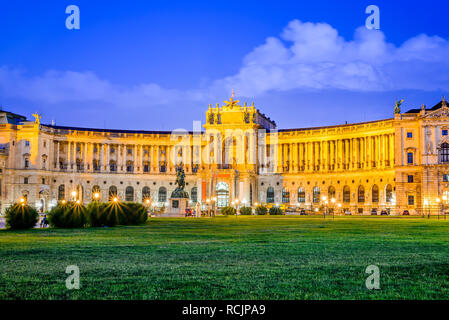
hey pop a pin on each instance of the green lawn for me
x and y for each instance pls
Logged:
(229, 258)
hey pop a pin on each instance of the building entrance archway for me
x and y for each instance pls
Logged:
(222, 190)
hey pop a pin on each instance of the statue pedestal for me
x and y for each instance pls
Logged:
(177, 207)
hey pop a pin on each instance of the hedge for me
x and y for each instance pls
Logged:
(228, 211)
(68, 215)
(245, 211)
(275, 211)
(112, 214)
(21, 216)
(261, 210)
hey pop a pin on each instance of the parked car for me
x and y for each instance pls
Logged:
(405, 213)
(374, 212)
(348, 213)
(302, 212)
(384, 213)
(190, 212)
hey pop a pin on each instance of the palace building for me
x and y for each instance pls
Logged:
(394, 164)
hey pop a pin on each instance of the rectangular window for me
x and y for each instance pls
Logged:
(410, 178)
(410, 158)
(444, 132)
(27, 143)
(25, 180)
(409, 134)
(411, 200)
(446, 177)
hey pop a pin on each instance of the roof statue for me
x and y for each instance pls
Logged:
(397, 106)
(443, 102)
(37, 118)
(232, 103)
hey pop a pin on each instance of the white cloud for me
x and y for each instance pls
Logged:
(305, 56)
(313, 56)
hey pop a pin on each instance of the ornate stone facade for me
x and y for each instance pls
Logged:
(394, 164)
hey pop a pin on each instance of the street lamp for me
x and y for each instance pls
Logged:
(324, 199)
(438, 200)
(444, 197)
(73, 195)
(333, 208)
(339, 206)
(96, 195)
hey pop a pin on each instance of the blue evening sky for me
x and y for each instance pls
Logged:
(156, 65)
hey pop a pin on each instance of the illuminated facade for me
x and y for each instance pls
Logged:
(395, 164)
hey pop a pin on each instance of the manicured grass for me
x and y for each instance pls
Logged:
(229, 258)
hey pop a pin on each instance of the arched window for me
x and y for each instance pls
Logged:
(346, 194)
(301, 195)
(146, 194)
(194, 194)
(331, 192)
(96, 190)
(444, 152)
(375, 194)
(112, 192)
(316, 195)
(285, 196)
(388, 193)
(162, 195)
(129, 193)
(270, 195)
(61, 192)
(361, 194)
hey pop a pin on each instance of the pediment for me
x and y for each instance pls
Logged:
(442, 112)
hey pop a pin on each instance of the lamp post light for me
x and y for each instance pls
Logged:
(333, 208)
(426, 207)
(444, 197)
(96, 196)
(438, 200)
(208, 206)
(324, 199)
(73, 195)
(339, 206)
(214, 202)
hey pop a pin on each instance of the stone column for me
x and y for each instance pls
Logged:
(57, 155)
(102, 157)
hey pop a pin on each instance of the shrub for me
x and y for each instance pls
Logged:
(227, 211)
(275, 211)
(261, 210)
(134, 214)
(96, 214)
(245, 211)
(69, 215)
(20, 216)
(112, 214)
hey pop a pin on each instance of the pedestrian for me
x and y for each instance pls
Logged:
(44, 222)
